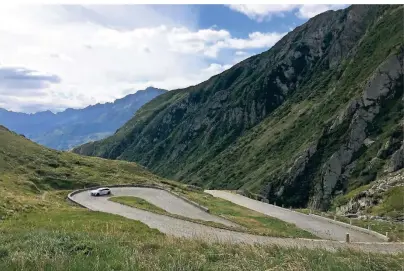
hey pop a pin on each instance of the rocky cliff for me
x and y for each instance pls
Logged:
(298, 124)
(382, 199)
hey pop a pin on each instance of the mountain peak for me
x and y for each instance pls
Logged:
(151, 88)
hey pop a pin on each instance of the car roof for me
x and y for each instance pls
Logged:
(101, 188)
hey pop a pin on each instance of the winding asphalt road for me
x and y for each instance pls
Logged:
(181, 228)
(158, 197)
(317, 226)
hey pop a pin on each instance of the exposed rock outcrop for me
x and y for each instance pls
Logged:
(361, 203)
(380, 85)
(397, 160)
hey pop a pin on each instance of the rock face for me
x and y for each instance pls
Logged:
(383, 83)
(397, 160)
(362, 202)
(297, 124)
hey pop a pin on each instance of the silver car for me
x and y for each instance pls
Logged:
(100, 191)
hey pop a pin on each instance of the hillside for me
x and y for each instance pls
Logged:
(31, 173)
(316, 116)
(36, 179)
(73, 127)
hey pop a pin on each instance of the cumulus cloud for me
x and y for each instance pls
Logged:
(255, 40)
(262, 12)
(93, 54)
(309, 11)
(215, 68)
(265, 12)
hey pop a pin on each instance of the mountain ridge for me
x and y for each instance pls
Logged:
(71, 127)
(269, 125)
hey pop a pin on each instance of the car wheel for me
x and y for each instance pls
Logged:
(97, 194)
(109, 193)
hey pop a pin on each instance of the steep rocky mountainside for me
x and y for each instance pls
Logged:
(73, 127)
(314, 117)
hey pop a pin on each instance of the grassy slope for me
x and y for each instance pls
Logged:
(393, 203)
(57, 235)
(31, 177)
(67, 241)
(29, 173)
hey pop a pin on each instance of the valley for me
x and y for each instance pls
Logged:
(34, 208)
(71, 127)
(298, 124)
(291, 159)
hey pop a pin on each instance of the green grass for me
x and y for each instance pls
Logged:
(32, 176)
(139, 203)
(42, 231)
(392, 205)
(29, 173)
(344, 198)
(147, 206)
(253, 221)
(78, 239)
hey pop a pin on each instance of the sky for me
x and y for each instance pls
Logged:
(57, 57)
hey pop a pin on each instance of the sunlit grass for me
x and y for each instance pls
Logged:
(253, 221)
(78, 239)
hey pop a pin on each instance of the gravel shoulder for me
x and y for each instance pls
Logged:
(180, 228)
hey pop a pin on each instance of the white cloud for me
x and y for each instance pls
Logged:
(215, 68)
(255, 40)
(265, 12)
(262, 12)
(309, 11)
(100, 52)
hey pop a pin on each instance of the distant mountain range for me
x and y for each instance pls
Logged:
(73, 127)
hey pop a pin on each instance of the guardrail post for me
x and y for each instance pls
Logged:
(283, 205)
(350, 221)
(335, 217)
(387, 234)
(347, 237)
(274, 203)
